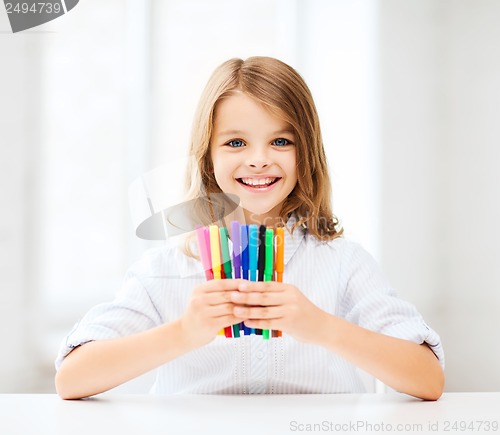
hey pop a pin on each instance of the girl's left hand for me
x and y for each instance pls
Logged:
(278, 306)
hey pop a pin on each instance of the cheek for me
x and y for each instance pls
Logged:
(292, 171)
(222, 174)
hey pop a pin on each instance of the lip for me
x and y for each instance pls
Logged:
(260, 176)
(253, 189)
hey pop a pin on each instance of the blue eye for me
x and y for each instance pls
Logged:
(281, 142)
(236, 143)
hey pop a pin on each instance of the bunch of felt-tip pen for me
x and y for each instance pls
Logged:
(257, 255)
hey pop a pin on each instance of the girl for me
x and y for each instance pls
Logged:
(256, 135)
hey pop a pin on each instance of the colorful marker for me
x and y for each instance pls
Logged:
(244, 251)
(229, 331)
(261, 260)
(244, 263)
(262, 251)
(253, 244)
(280, 253)
(268, 268)
(215, 251)
(204, 248)
(254, 258)
(253, 255)
(280, 260)
(235, 237)
(216, 261)
(226, 258)
(269, 265)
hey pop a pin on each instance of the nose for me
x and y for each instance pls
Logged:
(259, 158)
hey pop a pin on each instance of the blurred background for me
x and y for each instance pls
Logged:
(408, 93)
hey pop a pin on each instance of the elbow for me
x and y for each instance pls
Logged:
(436, 387)
(432, 395)
(63, 387)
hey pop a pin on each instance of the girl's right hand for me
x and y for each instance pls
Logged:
(209, 310)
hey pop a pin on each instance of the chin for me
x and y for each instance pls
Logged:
(266, 216)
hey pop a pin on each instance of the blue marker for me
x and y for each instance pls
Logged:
(244, 263)
(253, 251)
(244, 250)
(253, 246)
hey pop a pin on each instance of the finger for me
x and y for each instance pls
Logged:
(264, 324)
(245, 312)
(216, 285)
(220, 310)
(217, 298)
(256, 298)
(261, 286)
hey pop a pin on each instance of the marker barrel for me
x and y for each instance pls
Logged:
(257, 254)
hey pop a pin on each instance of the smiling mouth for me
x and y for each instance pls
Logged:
(258, 183)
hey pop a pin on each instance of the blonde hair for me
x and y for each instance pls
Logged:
(282, 90)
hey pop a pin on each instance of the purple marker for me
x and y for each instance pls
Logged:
(235, 235)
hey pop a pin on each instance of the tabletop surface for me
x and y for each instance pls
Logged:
(466, 413)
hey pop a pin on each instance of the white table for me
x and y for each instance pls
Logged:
(47, 414)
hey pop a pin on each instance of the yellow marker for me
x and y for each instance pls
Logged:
(215, 251)
(215, 254)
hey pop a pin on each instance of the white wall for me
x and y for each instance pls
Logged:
(440, 77)
(64, 220)
(409, 107)
(117, 98)
(19, 128)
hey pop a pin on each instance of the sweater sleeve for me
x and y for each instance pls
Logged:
(370, 302)
(132, 311)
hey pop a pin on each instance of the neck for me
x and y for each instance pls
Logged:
(270, 219)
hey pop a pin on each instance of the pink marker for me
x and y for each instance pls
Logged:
(203, 237)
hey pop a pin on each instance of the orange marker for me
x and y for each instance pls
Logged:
(280, 253)
(280, 258)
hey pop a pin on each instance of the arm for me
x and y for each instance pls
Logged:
(98, 366)
(401, 364)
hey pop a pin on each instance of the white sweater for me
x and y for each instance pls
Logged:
(338, 276)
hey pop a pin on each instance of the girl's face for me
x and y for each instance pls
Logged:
(254, 156)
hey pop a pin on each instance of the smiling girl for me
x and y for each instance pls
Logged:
(254, 157)
(256, 135)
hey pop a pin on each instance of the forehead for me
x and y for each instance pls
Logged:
(239, 110)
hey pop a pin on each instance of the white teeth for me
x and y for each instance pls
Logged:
(257, 182)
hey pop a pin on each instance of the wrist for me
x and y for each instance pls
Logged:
(329, 331)
(186, 334)
(174, 340)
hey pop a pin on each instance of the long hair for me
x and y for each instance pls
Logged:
(281, 90)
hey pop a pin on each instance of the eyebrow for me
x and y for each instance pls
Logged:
(238, 132)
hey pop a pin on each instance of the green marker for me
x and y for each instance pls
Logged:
(226, 262)
(268, 269)
(226, 259)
